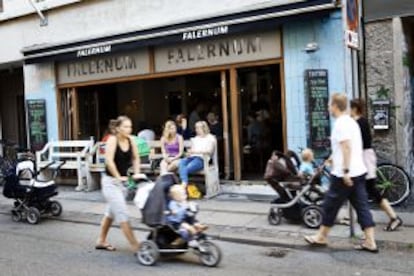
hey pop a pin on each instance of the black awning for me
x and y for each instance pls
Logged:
(263, 19)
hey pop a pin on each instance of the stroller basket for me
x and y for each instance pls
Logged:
(12, 188)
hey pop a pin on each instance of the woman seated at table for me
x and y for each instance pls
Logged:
(203, 143)
(172, 148)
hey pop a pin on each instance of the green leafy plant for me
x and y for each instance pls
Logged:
(383, 93)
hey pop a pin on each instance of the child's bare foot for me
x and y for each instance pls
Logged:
(201, 227)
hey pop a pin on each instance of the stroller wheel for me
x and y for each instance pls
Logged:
(312, 216)
(148, 253)
(33, 215)
(275, 216)
(210, 253)
(55, 208)
(16, 216)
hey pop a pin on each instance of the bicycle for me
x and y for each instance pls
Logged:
(393, 182)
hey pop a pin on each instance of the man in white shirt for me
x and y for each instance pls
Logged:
(347, 177)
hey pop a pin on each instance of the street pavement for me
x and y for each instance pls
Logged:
(235, 217)
(67, 249)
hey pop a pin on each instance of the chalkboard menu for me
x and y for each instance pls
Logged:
(316, 82)
(36, 116)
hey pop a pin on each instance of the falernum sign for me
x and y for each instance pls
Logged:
(218, 51)
(97, 50)
(99, 67)
(206, 32)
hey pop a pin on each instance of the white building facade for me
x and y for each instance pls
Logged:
(67, 66)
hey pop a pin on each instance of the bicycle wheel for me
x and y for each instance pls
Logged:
(393, 183)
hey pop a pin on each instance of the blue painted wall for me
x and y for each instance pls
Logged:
(327, 32)
(40, 83)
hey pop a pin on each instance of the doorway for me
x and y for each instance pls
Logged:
(261, 117)
(12, 107)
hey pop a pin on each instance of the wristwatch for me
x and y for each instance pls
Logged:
(346, 171)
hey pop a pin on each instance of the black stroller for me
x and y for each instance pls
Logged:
(160, 239)
(32, 196)
(299, 197)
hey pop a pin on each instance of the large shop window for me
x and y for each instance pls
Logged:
(149, 103)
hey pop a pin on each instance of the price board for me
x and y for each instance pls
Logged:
(316, 83)
(36, 119)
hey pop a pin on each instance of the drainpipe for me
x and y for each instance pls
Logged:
(43, 19)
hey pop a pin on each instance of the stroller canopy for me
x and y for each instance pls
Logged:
(156, 203)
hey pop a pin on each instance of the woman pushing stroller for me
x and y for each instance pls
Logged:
(120, 155)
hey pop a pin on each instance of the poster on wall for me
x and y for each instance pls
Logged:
(380, 110)
(316, 84)
(36, 119)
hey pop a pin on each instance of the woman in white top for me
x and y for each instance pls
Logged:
(203, 143)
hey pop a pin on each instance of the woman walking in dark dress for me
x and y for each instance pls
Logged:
(370, 160)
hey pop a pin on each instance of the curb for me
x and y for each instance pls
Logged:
(242, 235)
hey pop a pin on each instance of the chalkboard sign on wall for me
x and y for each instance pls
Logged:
(36, 118)
(316, 82)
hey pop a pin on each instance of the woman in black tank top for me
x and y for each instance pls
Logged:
(122, 159)
(120, 155)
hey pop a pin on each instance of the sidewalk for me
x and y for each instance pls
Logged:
(234, 217)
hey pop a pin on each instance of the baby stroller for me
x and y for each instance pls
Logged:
(152, 200)
(299, 197)
(32, 196)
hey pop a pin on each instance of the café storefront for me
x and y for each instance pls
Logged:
(234, 69)
(229, 74)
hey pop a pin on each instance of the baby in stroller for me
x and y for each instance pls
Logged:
(181, 215)
(299, 193)
(32, 196)
(174, 229)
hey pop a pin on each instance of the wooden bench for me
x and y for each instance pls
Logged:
(210, 170)
(73, 152)
(96, 165)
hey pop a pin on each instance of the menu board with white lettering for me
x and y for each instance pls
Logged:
(36, 116)
(316, 82)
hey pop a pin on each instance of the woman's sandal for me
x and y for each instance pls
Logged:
(106, 247)
(363, 247)
(313, 242)
(393, 224)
